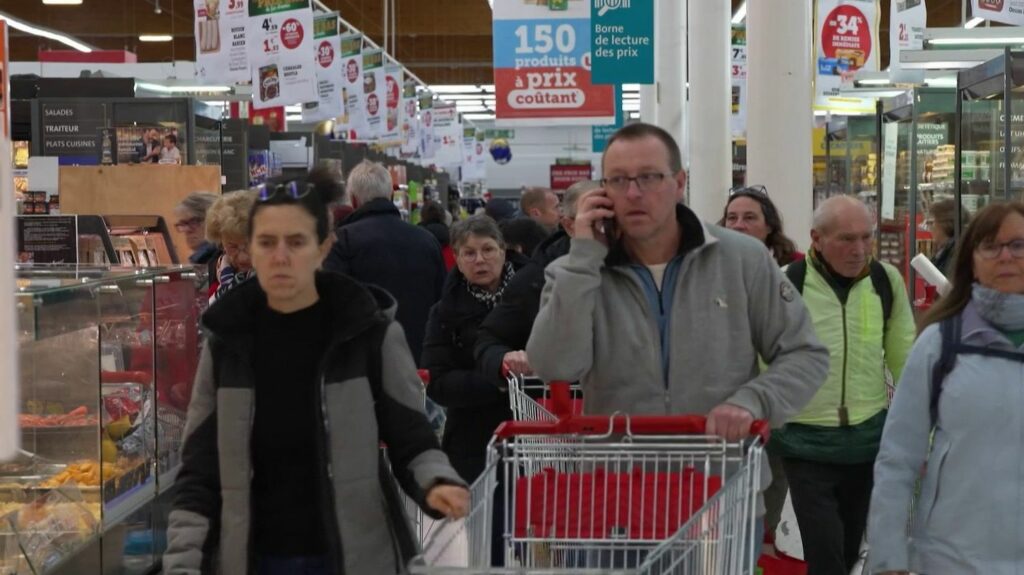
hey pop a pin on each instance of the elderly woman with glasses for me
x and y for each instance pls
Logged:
(190, 220)
(750, 211)
(475, 402)
(951, 464)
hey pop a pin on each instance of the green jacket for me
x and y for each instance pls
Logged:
(849, 321)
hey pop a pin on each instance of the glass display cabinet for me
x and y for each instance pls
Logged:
(852, 158)
(107, 358)
(917, 170)
(990, 162)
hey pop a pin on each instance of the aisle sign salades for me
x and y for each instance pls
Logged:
(846, 39)
(622, 41)
(280, 40)
(542, 65)
(221, 52)
(327, 60)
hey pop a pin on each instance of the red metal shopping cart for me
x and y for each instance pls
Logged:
(640, 495)
(533, 400)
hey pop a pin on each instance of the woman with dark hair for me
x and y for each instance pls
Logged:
(432, 219)
(751, 211)
(475, 402)
(951, 463)
(942, 224)
(303, 375)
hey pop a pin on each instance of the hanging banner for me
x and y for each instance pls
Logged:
(393, 82)
(5, 97)
(221, 52)
(599, 135)
(474, 162)
(410, 121)
(427, 148)
(890, 141)
(622, 41)
(542, 65)
(328, 71)
(908, 19)
(280, 38)
(374, 94)
(447, 135)
(846, 41)
(1006, 11)
(353, 119)
(739, 83)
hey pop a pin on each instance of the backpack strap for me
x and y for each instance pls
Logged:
(883, 287)
(949, 329)
(796, 272)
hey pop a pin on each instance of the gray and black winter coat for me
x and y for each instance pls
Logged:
(210, 523)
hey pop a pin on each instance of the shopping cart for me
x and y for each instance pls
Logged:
(592, 494)
(533, 400)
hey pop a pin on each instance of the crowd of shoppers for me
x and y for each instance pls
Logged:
(619, 286)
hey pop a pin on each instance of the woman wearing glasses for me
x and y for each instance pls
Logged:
(957, 416)
(303, 375)
(474, 401)
(191, 221)
(751, 211)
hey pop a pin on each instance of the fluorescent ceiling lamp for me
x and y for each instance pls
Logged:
(872, 82)
(973, 23)
(462, 88)
(941, 82)
(293, 117)
(28, 29)
(997, 41)
(740, 14)
(479, 116)
(155, 38)
(62, 2)
(198, 89)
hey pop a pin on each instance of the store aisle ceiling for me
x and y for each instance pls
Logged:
(442, 41)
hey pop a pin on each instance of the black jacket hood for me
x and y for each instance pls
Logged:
(354, 306)
(372, 208)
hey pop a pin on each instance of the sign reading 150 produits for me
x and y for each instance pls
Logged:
(542, 64)
(280, 39)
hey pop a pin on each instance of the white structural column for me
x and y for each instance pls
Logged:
(664, 103)
(779, 116)
(710, 150)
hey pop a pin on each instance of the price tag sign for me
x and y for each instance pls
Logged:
(220, 31)
(542, 65)
(282, 52)
(847, 36)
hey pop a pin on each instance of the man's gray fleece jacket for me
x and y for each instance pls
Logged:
(687, 347)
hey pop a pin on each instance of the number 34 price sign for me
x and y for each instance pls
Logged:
(542, 66)
(281, 52)
(847, 34)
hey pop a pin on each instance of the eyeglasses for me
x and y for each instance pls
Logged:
(188, 225)
(290, 190)
(758, 190)
(992, 250)
(645, 182)
(487, 253)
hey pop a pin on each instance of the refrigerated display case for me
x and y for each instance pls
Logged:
(107, 358)
(852, 158)
(990, 131)
(917, 169)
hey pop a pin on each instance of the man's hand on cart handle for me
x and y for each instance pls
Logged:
(516, 362)
(451, 500)
(729, 422)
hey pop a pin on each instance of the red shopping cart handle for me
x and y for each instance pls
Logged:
(636, 425)
(424, 376)
(125, 377)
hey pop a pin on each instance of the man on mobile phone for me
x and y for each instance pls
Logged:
(662, 314)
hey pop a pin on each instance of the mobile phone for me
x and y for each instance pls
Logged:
(611, 230)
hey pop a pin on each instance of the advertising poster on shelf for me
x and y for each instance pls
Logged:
(280, 39)
(447, 135)
(427, 149)
(542, 65)
(374, 95)
(846, 41)
(221, 52)
(327, 61)
(352, 120)
(393, 83)
(908, 19)
(738, 118)
(1005, 11)
(410, 121)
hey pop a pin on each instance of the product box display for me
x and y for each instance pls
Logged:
(107, 357)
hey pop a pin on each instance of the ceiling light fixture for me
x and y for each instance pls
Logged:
(973, 23)
(183, 89)
(740, 14)
(155, 38)
(1003, 41)
(29, 29)
(62, 2)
